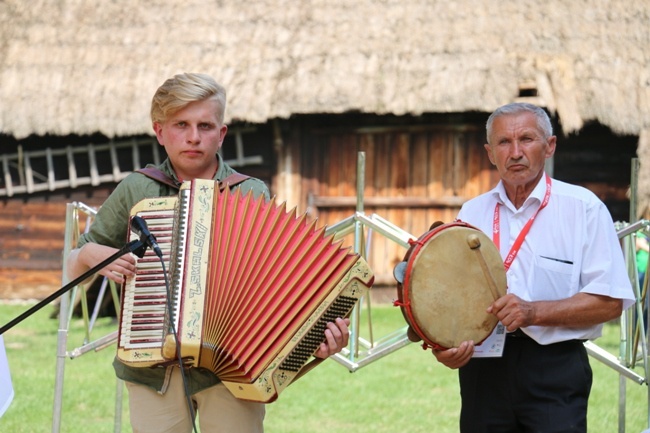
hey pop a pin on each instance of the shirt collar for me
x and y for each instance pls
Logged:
(222, 170)
(537, 195)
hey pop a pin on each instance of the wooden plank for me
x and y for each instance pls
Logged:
(472, 180)
(399, 164)
(41, 208)
(310, 182)
(436, 165)
(390, 202)
(135, 156)
(50, 169)
(459, 161)
(379, 254)
(7, 175)
(92, 161)
(115, 162)
(331, 179)
(349, 157)
(448, 167)
(297, 196)
(418, 167)
(21, 263)
(31, 244)
(72, 168)
(13, 227)
(29, 174)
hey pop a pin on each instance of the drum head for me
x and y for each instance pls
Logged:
(445, 288)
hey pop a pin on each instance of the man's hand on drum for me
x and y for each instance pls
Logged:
(513, 312)
(336, 338)
(455, 357)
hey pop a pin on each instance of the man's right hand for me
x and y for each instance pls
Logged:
(455, 357)
(91, 254)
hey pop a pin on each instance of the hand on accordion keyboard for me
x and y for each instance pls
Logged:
(91, 254)
(336, 338)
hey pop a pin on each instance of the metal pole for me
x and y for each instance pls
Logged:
(634, 218)
(358, 248)
(64, 306)
(634, 184)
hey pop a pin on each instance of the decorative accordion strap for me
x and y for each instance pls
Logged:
(162, 177)
(253, 287)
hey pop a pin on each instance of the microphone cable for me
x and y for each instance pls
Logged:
(172, 330)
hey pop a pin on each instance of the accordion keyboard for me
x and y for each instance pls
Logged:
(144, 297)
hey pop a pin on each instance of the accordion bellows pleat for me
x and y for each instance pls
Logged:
(252, 288)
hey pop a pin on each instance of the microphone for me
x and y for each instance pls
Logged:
(139, 227)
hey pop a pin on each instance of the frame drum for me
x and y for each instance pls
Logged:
(448, 278)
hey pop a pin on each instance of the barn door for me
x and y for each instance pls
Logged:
(412, 178)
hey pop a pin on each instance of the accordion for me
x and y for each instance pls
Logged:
(250, 290)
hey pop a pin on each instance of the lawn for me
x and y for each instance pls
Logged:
(405, 391)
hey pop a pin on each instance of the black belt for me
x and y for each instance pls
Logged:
(518, 333)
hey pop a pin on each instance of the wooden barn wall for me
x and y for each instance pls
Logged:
(32, 226)
(601, 162)
(418, 170)
(422, 170)
(33, 229)
(32, 235)
(414, 175)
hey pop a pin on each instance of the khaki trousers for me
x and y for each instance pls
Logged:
(218, 411)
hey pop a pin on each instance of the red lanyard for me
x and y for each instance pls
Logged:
(522, 235)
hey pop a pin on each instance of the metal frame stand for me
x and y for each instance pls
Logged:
(65, 316)
(361, 352)
(633, 328)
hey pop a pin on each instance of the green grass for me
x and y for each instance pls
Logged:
(404, 391)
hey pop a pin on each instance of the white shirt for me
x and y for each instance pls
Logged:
(571, 247)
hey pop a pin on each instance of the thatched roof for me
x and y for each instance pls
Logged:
(82, 66)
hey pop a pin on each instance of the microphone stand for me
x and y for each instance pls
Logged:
(137, 247)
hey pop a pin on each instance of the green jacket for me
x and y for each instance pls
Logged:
(110, 227)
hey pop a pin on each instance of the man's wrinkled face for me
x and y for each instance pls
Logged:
(518, 148)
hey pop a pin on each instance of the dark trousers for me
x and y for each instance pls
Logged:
(532, 388)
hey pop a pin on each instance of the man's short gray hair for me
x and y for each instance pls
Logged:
(543, 121)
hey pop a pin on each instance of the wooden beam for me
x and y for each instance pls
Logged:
(72, 168)
(50, 169)
(7, 173)
(390, 202)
